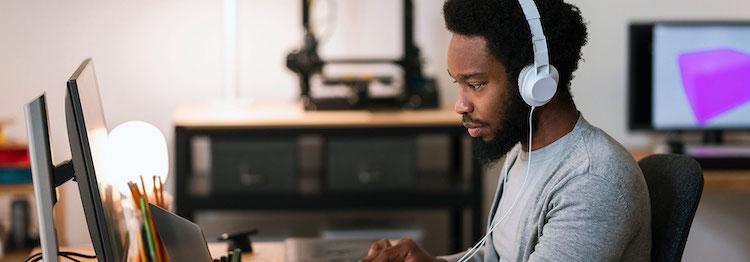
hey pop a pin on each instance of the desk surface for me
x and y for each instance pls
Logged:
(714, 180)
(280, 115)
(264, 251)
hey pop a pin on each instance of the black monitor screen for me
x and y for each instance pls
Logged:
(87, 132)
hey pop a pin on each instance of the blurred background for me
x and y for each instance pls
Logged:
(153, 56)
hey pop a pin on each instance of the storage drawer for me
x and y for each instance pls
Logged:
(355, 163)
(254, 165)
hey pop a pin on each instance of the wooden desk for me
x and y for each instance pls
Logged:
(264, 251)
(714, 180)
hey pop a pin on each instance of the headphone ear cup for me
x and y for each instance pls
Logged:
(537, 89)
(554, 74)
(523, 86)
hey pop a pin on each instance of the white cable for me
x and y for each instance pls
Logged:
(473, 250)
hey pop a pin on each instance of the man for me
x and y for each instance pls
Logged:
(584, 197)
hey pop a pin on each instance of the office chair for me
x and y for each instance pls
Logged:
(675, 185)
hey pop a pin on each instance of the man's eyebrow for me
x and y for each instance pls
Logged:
(466, 76)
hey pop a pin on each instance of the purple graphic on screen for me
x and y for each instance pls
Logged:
(715, 81)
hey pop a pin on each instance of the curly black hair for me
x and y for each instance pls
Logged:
(503, 25)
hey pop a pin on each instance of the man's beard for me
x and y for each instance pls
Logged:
(514, 123)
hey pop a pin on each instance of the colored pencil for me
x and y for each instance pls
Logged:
(161, 193)
(156, 193)
(151, 247)
(135, 195)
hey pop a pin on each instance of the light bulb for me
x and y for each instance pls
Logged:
(135, 149)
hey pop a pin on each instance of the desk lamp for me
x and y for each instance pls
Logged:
(135, 149)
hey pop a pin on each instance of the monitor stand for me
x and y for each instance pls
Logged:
(63, 172)
(713, 137)
(713, 153)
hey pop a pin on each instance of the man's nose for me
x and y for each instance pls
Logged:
(463, 105)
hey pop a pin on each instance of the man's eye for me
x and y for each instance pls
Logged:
(475, 85)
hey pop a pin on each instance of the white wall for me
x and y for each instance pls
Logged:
(152, 55)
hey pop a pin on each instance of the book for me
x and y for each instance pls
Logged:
(15, 175)
(14, 156)
(14, 165)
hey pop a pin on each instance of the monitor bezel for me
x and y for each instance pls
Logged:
(640, 74)
(84, 168)
(42, 172)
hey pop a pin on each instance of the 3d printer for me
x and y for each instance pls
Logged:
(419, 91)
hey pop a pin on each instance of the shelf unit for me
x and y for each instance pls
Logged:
(462, 193)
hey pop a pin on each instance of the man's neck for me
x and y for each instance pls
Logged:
(554, 121)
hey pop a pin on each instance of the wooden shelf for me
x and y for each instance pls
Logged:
(292, 115)
(16, 189)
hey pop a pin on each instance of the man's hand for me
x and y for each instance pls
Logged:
(405, 250)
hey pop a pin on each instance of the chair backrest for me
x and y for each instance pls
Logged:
(675, 185)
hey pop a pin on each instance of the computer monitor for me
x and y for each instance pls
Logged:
(689, 76)
(87, 133)
(42, 172)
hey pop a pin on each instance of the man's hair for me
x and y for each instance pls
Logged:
(503, 25)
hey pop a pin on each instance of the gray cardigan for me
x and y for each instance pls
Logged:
(594, 206)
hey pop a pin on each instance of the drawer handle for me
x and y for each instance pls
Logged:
(370, 177)
(252, 179)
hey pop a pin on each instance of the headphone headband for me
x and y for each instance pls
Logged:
(538, 40)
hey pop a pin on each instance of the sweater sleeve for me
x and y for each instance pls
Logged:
(592, 218)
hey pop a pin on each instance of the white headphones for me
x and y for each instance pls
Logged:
(537, 82)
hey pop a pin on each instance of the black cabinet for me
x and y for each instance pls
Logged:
(359, 167)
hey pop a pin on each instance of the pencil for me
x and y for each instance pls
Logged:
(160, 203)
(156, 194)
(143, 185)
(161, 193)
(136, 196)
(142, 246)
(150, 222)
(148, 231)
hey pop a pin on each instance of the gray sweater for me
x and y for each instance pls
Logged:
(593, 207)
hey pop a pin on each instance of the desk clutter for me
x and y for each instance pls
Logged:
(233, 256)
(15, 176)
(150, 247)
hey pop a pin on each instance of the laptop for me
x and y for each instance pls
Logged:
(183, 240)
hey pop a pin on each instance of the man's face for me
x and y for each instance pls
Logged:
(492, 110)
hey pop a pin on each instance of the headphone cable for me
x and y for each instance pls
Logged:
(473, 250)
